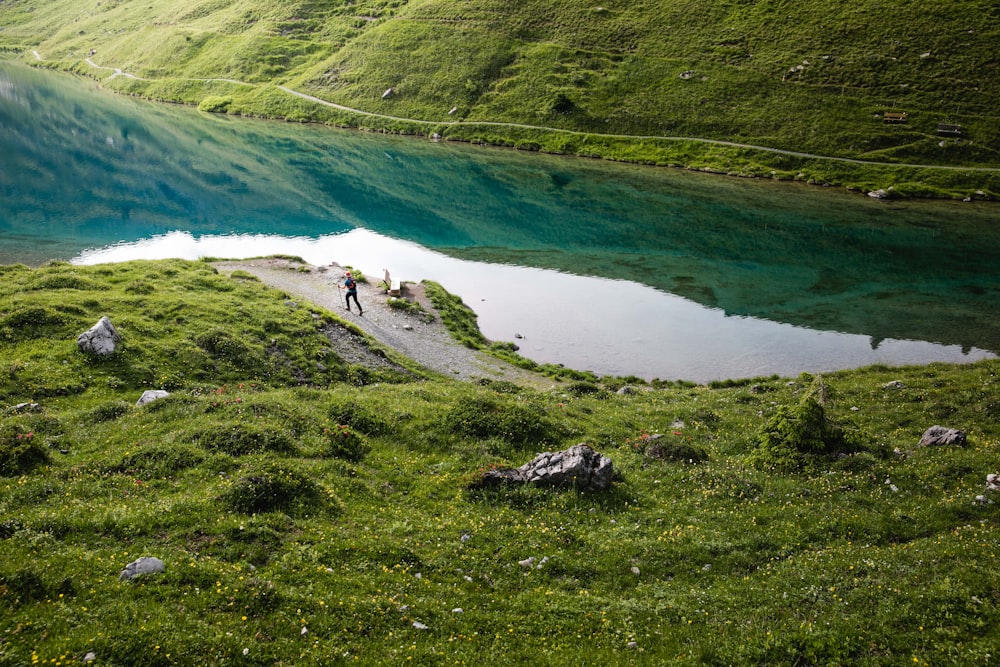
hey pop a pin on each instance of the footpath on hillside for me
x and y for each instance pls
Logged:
(116, 71)
(426, 342)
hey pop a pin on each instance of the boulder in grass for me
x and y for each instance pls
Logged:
(144, 565)
(151, 395)
(579, 466)
(101, 339)
(937, 436)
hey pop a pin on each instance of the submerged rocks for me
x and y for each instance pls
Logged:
(579, 467)
(101, 339)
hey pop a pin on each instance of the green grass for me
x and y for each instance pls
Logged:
(312, 515)
(811, 77)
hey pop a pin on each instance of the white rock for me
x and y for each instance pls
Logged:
(151, 395)
(144, 565)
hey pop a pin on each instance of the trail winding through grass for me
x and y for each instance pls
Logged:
(456, 123)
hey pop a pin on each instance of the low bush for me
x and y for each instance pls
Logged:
(358, 416)
(343, 443)
(517, 423)
(797, 436)
(238, 439)
(20, 450)
(106, 412)
(271, 487)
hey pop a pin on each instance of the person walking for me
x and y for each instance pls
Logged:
(352, 291)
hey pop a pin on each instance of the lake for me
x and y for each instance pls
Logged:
(618, 269)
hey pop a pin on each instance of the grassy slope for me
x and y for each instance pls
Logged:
(364, 527)
(809, 76)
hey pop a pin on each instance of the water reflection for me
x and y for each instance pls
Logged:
(689, 275)
(583, 322)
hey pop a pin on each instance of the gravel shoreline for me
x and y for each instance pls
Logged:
(427, 343)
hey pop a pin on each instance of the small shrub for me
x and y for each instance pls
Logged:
(512, 422)
(359, 417)
(343, 443)
(664, 449)
(795, 436)
(20, 451)
(238, 439)
(107, 412)
(22, 587)
(272, 488)
(584, 388)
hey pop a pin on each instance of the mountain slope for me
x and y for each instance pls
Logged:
(810, 76)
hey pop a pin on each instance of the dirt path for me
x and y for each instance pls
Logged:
(444, 123)
(427, 343)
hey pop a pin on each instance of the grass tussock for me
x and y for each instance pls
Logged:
(306, 519)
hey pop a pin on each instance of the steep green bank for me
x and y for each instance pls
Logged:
(785, 82)
(312, 512)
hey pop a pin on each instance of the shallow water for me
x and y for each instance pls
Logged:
(613, 268)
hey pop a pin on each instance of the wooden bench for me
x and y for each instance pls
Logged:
(894, 117)
(950, 129)
(392, 287)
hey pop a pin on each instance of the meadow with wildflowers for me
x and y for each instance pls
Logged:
(314, 512)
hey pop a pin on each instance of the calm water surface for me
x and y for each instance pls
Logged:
(616, 269)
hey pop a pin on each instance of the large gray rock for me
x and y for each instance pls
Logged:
(151, 395)
(579, 467)
(937, 436)
(101, 339)
(144, 565)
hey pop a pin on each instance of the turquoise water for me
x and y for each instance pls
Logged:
(612, 268)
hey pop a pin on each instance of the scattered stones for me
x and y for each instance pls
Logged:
(144, 565)
(937, 436)
(151, 395)
(895, 384)
(419, 626)
(627, 390)
(687, 74)
(101, 339)
(21, 408)
(579, 466)
(992, 482)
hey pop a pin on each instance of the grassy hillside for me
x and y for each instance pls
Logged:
(812, 77)
(313, 512)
